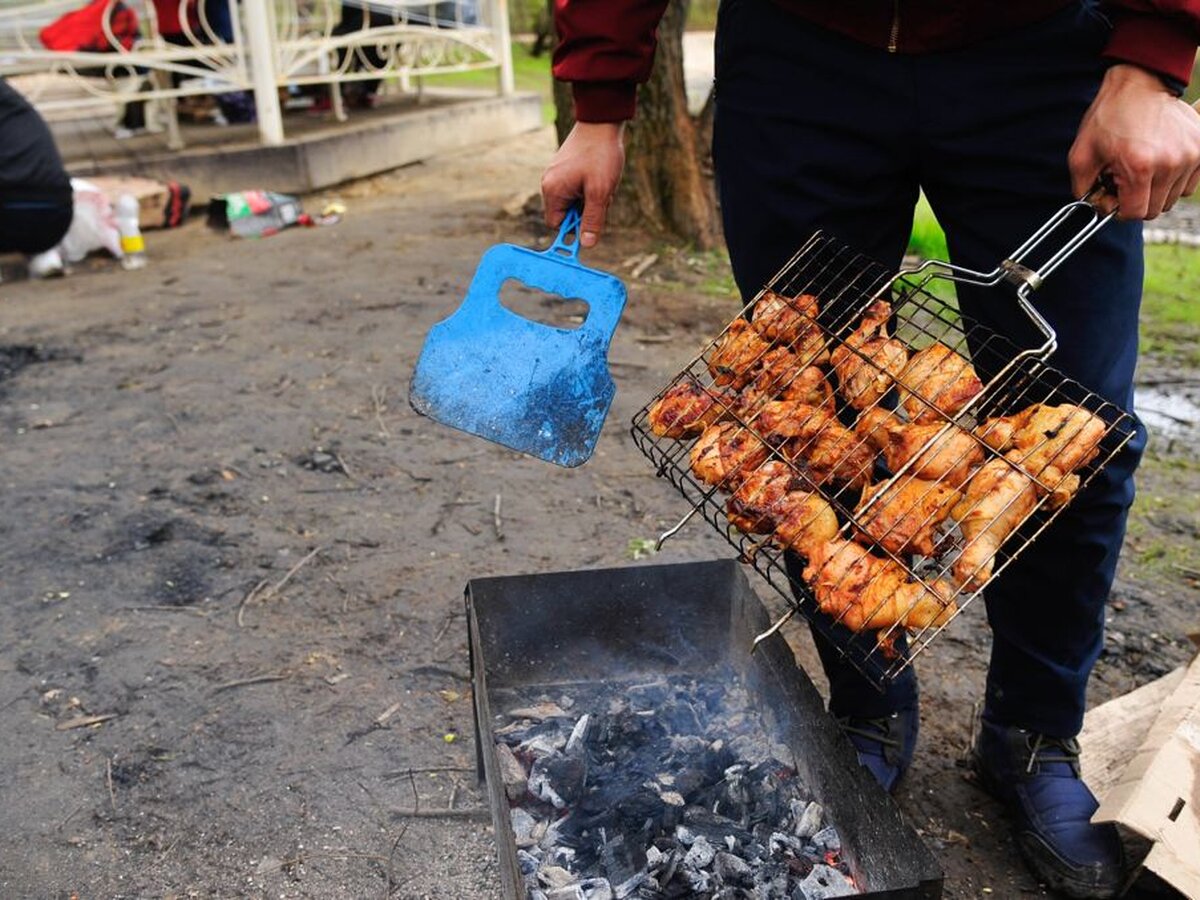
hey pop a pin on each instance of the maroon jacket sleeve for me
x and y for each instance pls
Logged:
(1159, 35)
(606, 49)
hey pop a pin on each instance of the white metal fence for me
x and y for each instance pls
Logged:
(190, 47)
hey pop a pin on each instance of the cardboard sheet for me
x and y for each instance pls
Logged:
(1143, 752)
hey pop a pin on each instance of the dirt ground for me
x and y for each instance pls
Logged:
(232, 559)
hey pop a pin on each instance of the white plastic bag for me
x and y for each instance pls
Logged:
(94, 226)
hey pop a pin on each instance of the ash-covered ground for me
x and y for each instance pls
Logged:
(233, 661)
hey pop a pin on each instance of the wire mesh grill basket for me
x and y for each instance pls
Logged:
(875, 454)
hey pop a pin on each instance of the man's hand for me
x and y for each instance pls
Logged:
(587, 165)
(1148, 140)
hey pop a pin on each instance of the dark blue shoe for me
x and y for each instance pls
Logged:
(885, 745)
(1037, 778)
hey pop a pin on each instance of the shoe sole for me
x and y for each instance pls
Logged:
(1039, 856)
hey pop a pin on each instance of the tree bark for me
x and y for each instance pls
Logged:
(668, 185)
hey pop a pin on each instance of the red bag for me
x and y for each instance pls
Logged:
(83, 29)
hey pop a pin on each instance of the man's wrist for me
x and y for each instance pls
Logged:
(1133, 75)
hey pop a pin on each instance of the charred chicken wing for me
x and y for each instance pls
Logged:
(904, 517)
(867, 363)
(949, 458)
(836, 456)
(754, 505)
(999, 497)
(803, 521)
(725, 452)
(688, 408)
(865, 591)
(782, 320)
(782, 420)
(782, 377)
(737, 354)
(943, 378)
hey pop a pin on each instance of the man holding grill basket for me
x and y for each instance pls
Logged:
(833, 116)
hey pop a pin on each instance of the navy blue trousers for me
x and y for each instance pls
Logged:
(815, 131)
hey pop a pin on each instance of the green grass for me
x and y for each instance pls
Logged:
(702, 15)
(530, 73)
(1171, 305)
(928, 241)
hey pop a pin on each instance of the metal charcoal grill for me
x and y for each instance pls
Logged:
(571, 628)
(908, 596)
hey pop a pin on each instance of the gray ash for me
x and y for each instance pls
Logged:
(656, 790)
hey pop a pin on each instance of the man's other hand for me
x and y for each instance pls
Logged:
(588, 165)
(1146, 138)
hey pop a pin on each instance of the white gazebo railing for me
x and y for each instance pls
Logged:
(180, 48)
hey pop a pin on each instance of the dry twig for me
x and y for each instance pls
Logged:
(262, 592)
(245, 682)
(83, 721)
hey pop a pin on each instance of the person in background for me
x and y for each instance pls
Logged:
(834, 116)
(36, 202)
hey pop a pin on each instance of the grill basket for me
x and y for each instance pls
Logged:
(914, 593)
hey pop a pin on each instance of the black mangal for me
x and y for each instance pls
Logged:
(633, 747)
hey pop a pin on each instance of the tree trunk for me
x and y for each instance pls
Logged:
(668, 184)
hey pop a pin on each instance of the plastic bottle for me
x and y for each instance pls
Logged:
(133, 246)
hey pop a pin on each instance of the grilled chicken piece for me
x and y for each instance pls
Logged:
(999, 497)
(737, 354)
(754, 506)
(783, 420)
(803, 521)
(905, 516)
(725, 452)
(836, 456)
(866, 375)
(783, 320)
(1066, 437)
(874, 424)
(865, 591)
(949, 459)
(942, 377)
(1063, 437)
(782, 377)
(688, 408)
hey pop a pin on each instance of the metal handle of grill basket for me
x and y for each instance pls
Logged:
(1014, 270)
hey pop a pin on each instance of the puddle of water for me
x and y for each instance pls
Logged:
(1167, 412)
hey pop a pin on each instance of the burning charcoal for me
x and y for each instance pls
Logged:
(825, 882)
(634, 810)
(555, 877)
(808, 822)
(651, 695)
(596, 889)
(630, 886)
(713, 826)
(541, 712)
(771, 882)
(689, 783)
(732, 870)
(685, 836)
(782, 843)
(558, 779)
(699, 882)
(653, 857)
(566, 702)
(620, 861)
(561, 856)
(569, 892)
(827, 840)
(512, 773)
(700, 856)
(575, 743)
(535, 894)
(672, 798)
(522, 826)
(528, 862)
